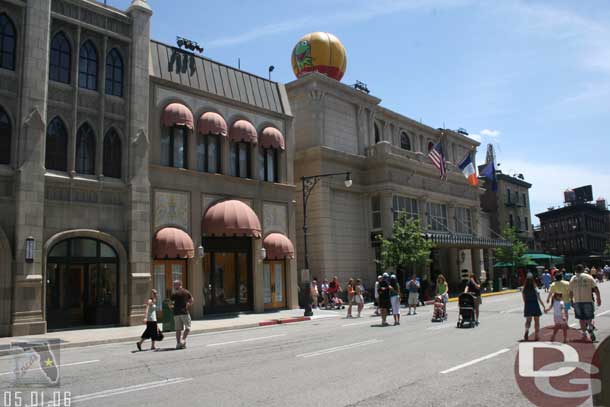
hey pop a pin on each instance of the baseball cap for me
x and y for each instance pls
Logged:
(386, 275)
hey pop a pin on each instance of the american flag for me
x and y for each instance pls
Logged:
(438, 159)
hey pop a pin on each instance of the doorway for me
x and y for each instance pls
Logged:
(275, 284)
(165, 273)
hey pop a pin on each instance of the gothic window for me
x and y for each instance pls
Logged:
(61, 57)
(87, 67)
(5, 138)
(85, 150)
(114, 73)
(405, 142)
(56, 152)
(8, 42)
(112, 159)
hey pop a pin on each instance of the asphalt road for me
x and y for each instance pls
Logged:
(329, 361)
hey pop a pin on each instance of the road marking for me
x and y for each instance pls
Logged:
(603, 313)
(358, 323)
(506, 311)
(338, 348)
(444, 326)
(472, 362)
(62, 365)
(260, 338)
(122, 390)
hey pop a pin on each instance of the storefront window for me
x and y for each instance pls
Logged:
(437, 217)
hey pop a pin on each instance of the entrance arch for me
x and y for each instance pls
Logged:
(5, 284)
(86, 279)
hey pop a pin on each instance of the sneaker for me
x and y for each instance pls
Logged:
(178, 346)
(139, 345)
(415, 313)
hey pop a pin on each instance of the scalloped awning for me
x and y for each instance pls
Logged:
(176, 114)
(278, 247)
(231, 218)
(173, 243)
(272, 138)
(212, 123)
(243, 130)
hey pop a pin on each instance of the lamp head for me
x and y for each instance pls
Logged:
(348, 180)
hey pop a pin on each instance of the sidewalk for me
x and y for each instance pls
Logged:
(97, 336)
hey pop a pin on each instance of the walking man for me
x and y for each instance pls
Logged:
(183, 300)
(377, 295)
(412, 287)
(582, 286)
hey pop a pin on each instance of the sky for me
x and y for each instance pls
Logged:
(530, 77)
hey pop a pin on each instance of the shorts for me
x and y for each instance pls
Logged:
(568, 306)
(182, 322)
(395, 300)
(584, 311)
(445, 298)
(413, 299)
(358, 299)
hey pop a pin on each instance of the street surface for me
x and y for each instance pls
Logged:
(328, 361)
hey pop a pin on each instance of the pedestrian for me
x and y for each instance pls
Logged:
(423, 286)
(546, 280)
(531, 309)
(442, 289)
(314, 293)
(395, 299)
(359, 296)
(560, 316)
(182, 302)
(594, 272)
(384, 298)
(607, 272)
(377, 294)
(324, 289)
(562, 287)
(350, 297)
(152, 331)
(473, 287)
(582, 286)
(412, 287)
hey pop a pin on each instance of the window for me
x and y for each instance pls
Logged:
(405, 141)
(376, 211)
(87, 66)
(437, 217)
(508, 196)
(56, 152)
(519, 224)
(404, 204)
(112, 159)
(85, 150)
(240, 160)
(517, 197)
(511, 221)
(463, 220)
(61, 59)
(377, 134)
(8, 42)
(173, 146)
(5, 138)
(526, 223)
(208, 153)
(268, 164)
(430, 145)
(524, 197)
(114, 73)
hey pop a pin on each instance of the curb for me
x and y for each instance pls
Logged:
(128, 339)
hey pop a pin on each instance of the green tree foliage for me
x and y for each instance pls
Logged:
(407, 247)
(513, 253)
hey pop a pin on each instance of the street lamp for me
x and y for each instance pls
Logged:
(308, 183)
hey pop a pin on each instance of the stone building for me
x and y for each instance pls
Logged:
(115, 167)
(341, 129)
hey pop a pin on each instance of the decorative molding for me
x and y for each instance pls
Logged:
(317, 95)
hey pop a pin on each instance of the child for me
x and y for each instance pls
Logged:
(560, 316)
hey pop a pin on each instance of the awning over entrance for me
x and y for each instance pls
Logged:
(176, 114)
(212, 123)
(243, 130)
(278, 247)
(272, 138)
(468, 241)
(173, 243)
(231, 218)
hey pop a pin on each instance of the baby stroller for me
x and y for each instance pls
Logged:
(466, 305)
(438, 315)
(334, 302)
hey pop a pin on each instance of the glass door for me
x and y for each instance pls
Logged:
(227, 282)
(274, 284)
(165, 272)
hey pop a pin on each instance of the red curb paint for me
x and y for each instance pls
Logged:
(296, 319)
(266, 323)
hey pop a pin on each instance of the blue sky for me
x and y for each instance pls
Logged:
(531, 77)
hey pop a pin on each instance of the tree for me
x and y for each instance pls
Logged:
(514, 253)
(407, 248)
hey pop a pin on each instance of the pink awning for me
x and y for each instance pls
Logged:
(272, 138)
(278, 247)
(176, 114)
(242, 130)
(231, 218)
(173, 243)
(212, 123)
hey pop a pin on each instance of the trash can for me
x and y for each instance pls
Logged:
(498, 284)
(168, 318)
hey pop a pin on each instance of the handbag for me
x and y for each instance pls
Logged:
(159, 335)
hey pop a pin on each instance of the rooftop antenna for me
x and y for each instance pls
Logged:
(238, 64)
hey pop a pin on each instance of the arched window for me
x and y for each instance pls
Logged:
(87, 66)
(8, 42)
(405, 142)
(268, 166)
(208, 153)
(240, 159)
(112, 155)
(61, 59)
(114, 73)
(174, 147)
(5, 138)
(85, 150)
(377, 134)
(56, 153)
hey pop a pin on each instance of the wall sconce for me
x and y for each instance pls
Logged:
(29, 249)
(262, 253)
(200, 251)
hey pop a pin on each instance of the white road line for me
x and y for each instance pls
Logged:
(444, 326)
(603, 313)
(472, 362)
(260, 338)
(338, 348)
(62, 365)
(506, 311)
(359, 323)
(122, 390)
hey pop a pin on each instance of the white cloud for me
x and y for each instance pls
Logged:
(485, 135)
(490, 133)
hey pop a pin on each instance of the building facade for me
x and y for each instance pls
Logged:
(341, 129)
(122, 169)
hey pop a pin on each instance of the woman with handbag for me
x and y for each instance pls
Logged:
(152, 331)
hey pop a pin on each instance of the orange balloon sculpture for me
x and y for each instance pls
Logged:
(319, 52)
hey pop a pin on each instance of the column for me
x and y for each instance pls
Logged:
(387, 213)
(490, 266)
(101, 85)
(476, 262)
(258, 282)
(453, 274)
(28, 311)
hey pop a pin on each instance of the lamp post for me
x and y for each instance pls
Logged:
(308, 184)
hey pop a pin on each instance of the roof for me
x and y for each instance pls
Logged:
(512, 180)
(169, 63)
(570, 209)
